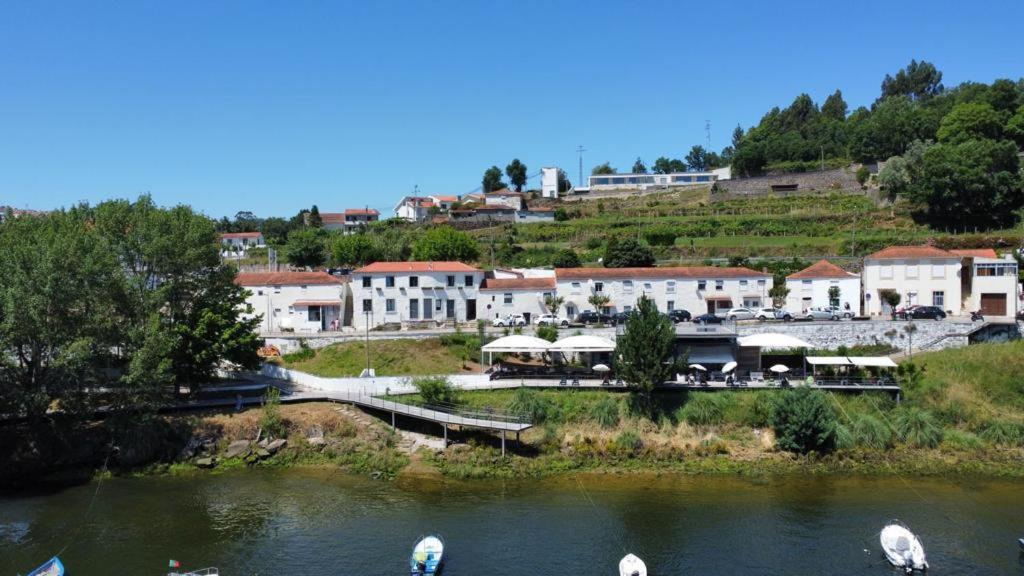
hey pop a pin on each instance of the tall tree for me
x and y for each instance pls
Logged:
(1014, 129)
(314, 220)
(665, 165)
(970, 122)
(697, 159)
(564, 185)
(639, 167)
(445, 243)
(918, 81)
(305, 249)
(737, 136)
(627, 253)
(605, 168)
(646, 352)
(516, 172)
(354, 250)
(834, 107)
(492, 180)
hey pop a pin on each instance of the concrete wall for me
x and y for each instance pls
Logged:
(837, 179)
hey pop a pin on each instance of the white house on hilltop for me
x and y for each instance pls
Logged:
(414, 208)
(239, 242)
(295, 301)
(810, 288)
(423, 292)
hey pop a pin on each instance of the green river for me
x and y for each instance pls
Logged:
(319, 522)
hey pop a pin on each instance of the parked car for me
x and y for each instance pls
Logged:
(510, 321)
(552, 320)
(841, 312)
(739, 314)
(678, 316)
(903, 311)
(818, 313)
(773, 314)
(924, 313)
(621, 317)
(708, 319)
(593, 317)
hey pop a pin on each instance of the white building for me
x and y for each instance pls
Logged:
(239, 242)
(505, 198)
(444, 202)
(644, 181)
(549, 182)
(991, 284)
(922, 275)
(414, 208)
(350, 221)
(810, 288)
(295, 301)
(697, 289)
(516, 295)
(415, 292)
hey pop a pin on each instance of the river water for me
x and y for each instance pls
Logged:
(318, 522)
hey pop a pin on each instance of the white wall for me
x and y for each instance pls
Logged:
(1007, 285)
(432, 285)
(685, 294)
(523, 302)
(916, 281)
(549, 182)
(276, 304)
(817, 290)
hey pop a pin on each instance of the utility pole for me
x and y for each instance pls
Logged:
(823, 158)
(580, 149)
(367, 314)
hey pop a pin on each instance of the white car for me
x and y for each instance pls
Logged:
(739, 314)
(510, 321)
(773, 314)
(552, 320)
(821, 314)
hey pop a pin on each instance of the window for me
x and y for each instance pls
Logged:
(367, 305)
(627, 308)
(911, 269)
(414, 309)
(939, 298)
(546, 296)
(303, 287)
(451, 281)
(389, 305)
(575, 287)
(291, 309)
(671, 305)
(414, 281)
(508, 299)
(938, 271)
(719, 284)
(743, 284)
(389, 281)
(259, 292)
(702, 285)
(313, 314)
(366, 281)
(437, 304)
(277, 289)
(647, 286)
(670, 287)
(468, 280)
(760, 283)
(627, 286)
(806, 285)
(598, 286)
(885, 271)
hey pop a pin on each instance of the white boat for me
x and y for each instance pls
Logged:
(630, 565)
(902, 548)
(427, 556)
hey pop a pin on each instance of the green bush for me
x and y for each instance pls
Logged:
(561, 215)
(629, 442)
(301, 355)
(871, 432)
(804, 421)
(844, 438)
(961, 440)
(1003, 433)
(760, 413)
(918, 427)
(271, 421)
(436, 390)
(547, 332)
(606, 412)
(702, 409)
(863, 173)
(530, 404)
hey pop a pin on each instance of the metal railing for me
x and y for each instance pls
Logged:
(448, 414)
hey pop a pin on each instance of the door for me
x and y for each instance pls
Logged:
(993, 304)
(428, 309)
(470, 310)
(526, 317)
(449, 308)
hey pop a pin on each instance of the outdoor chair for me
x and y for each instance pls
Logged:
(563, 382)
(575, 381)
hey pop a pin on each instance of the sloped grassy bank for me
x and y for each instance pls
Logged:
(962, 413)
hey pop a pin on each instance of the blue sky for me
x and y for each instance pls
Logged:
(275, 106)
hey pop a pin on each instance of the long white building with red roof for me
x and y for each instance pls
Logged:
(415, 293)
(300, 302)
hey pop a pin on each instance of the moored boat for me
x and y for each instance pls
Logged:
(902, 548)
(427, 556)
(630, 565)
(53, 567)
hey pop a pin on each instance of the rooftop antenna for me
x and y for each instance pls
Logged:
(580, 149)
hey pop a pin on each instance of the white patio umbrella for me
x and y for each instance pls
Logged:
(601, 368)
(698, 367)
(729, 367)
(779, 368)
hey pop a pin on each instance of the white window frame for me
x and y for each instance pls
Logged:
(885, 271)
(670, 287)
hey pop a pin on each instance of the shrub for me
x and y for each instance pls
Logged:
(565, 258)
(301, 355)
(1003, 433)
(804, 421)
(593, 243)
(844, 438)
(702, 409)
(271, 421)
(961, 440)
(436, 390)
(863, 173)
(871, 432)
(547, 332)
(606, 412)
(532, 405)
(918, 427)
(760, 413)
(629, 441)
(561, 215)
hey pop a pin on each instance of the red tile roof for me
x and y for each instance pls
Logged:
(285, 278)
(820, 269)
(519, 284)
(711, 272)
(361, 212)
(976, 253)
(446, 198)
(910, 252)
(504, 192)
(398, 267)
(241, 235)
(332, 218)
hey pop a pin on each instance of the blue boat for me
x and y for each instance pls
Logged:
(53, 567)
(427, 556)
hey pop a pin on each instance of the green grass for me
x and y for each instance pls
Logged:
(404, 357)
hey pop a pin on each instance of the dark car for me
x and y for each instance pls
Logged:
(924, 313)
(679, 316)
(708, 319)
(592, 317)
(622, 317)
